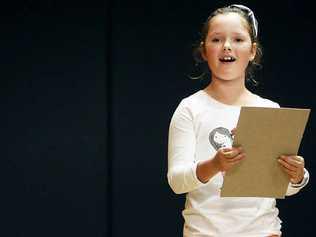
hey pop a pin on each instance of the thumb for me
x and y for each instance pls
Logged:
(225, 149)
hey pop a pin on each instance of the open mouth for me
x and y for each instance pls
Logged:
(227, 59)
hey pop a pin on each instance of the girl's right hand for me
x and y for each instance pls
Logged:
(226, 158)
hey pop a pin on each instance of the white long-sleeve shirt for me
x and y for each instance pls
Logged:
(199, 127)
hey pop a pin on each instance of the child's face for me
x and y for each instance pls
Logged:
(228, 35)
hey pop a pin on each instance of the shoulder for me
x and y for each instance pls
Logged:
(265, 102)
(189, 106)
(193, 101)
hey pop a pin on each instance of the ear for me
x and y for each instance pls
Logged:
(253, 51)
(202, 51)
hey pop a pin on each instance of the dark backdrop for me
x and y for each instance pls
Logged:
(88, 91)
(53, 123)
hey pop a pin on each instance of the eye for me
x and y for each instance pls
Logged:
(215, 40)
(239, 40)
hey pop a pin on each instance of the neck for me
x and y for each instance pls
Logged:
(232, 92)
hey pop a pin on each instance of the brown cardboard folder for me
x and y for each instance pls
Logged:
(265, 134)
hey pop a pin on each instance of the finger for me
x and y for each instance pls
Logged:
(233, 131)
(236, 158)
(293, 157)
(292, 175)
(225, 149)
(288, 171)
(299, 159)
(287, 165)
(229, 154)
(225, 152)
(298, 173)
(236, 161)
(233, 152)
(294, 161)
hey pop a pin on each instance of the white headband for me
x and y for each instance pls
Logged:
(251, 15)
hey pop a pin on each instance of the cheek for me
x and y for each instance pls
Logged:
(211, 53)
(245, 52)
(213, 49)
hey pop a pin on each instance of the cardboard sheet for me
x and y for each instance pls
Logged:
(265, 134)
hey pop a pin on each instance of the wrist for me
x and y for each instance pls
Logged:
(215, 166)
(303, 182)
(206, 169)
(297, 181)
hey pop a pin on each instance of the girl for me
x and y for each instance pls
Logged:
(200, 141)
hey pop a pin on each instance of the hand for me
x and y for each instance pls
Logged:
(293, 166)
(226, 158)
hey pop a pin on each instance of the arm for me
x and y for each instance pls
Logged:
(224, 160)
(184, 173)
(181, 152)
(299, 176)
(295, 188)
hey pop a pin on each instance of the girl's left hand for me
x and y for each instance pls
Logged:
(294, 167)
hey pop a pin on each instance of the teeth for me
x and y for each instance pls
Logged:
(228, 59)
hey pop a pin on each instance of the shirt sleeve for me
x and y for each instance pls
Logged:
(295, 188)
(181, 152)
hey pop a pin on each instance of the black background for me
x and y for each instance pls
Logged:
(88, 91)
(54, 119)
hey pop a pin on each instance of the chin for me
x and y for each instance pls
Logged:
(226, 77)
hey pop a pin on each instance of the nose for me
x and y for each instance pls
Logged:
(227, 46)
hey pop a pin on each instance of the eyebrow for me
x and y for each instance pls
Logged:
(234, 33)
